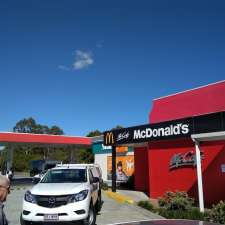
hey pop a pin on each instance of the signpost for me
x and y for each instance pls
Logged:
(114, 169)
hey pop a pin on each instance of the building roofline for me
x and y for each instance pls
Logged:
(192, 89)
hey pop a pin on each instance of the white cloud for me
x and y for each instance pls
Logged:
(62, 67)
(83, 59)
(100, 44)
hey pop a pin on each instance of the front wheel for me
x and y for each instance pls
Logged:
(23, 222)
(91, 219)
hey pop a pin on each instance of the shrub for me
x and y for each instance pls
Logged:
(146, 205)
(105, 186)
(176, 201)
(217, 213)
(192, 214)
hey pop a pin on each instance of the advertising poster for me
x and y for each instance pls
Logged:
(124, 167)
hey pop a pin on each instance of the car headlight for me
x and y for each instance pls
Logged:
(78, 197)
(29, 197)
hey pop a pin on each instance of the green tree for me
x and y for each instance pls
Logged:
(26, 126)
(29, 125)
(55, 130)
(86, 156)
(117, 127)
(94, 133)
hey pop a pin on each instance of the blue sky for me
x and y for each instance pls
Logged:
(86, 65)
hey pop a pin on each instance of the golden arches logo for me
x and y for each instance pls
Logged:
(109, 138)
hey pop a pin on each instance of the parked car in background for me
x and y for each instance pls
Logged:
(38, 177)
(66, 193)
(39, 166)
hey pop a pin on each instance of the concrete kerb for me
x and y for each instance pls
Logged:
(119, 197)
(123, 199)
(131, 197)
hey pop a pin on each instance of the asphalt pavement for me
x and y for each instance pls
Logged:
(112, 211)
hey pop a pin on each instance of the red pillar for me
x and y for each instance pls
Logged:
(141, 169)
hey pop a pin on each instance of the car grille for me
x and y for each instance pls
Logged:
(52, 201)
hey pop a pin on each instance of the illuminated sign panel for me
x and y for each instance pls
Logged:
(166, 130)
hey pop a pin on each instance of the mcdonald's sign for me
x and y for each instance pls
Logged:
(109, 138)
(185, 127)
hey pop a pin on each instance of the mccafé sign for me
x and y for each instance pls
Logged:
(214, 122)
(184, 159)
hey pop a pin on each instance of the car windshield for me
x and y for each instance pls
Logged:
(65, 176)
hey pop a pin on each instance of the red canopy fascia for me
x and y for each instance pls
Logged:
(44, 139)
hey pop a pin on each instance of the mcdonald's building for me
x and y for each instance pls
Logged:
(165, 150)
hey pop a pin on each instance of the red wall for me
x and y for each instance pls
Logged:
(163, 179)
(194, 102)
(199, 101)
(213, 178)
(141, 175)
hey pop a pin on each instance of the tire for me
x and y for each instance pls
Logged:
(91, 219)
(98, 205)
(23, 222)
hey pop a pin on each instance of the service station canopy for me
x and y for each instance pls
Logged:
(208, 123)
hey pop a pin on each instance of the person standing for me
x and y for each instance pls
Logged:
(4, 191)
(120, 174)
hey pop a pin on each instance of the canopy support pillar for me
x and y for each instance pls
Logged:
(9, 157)
(199, 176)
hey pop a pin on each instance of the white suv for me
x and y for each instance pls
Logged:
(67, 192)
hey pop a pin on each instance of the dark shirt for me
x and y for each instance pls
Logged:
(3, 220)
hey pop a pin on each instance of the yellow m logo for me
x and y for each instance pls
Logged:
(109, 138)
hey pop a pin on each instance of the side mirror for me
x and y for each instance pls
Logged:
(36, 180)
(95, 180)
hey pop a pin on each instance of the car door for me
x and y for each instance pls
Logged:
(96, 174)
(94, 187)
(99, 171)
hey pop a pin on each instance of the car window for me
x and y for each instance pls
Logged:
(99, 171)
(94, 172)
(65, 176)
